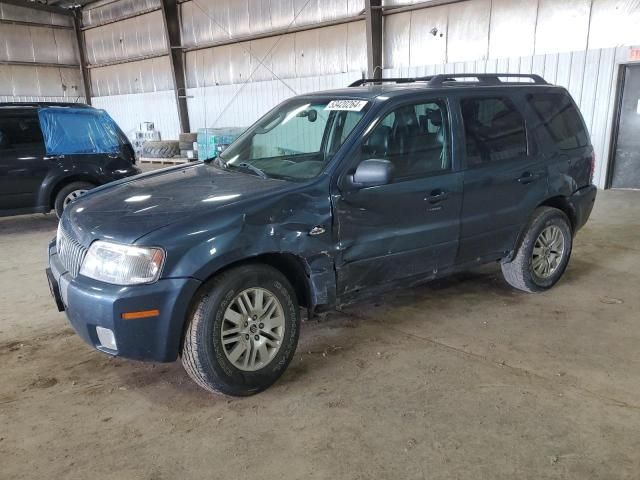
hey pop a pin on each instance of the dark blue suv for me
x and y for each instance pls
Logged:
(328, 198)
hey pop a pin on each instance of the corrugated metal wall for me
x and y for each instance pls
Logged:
(323, 51)
(482, 29)
(52, 42)
(207, 21)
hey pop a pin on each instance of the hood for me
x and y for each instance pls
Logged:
(130, 209)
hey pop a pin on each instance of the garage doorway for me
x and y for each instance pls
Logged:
(626, 151)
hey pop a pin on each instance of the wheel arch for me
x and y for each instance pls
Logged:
(559, 202)
(63, 182)
(293, 267)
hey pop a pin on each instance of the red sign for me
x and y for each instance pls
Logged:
(634, 54)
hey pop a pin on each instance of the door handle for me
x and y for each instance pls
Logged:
(528, 177)
(437, 196)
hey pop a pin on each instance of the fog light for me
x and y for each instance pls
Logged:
(107, 338)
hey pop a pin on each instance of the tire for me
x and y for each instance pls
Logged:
(528, 269)
(188, 138)
(160, 149)
(210, 363)
(64, 196)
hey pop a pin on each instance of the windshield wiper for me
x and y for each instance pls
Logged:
(247, 166)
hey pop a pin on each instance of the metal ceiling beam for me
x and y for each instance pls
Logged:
(38, 64)
(125, 17)
(418, 6)
(84, 71)
(373, 15)
(171, 20)
(39, 6)
(34, 24)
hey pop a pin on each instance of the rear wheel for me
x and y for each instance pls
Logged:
(543, 254)
(243, 331)
(70, 193)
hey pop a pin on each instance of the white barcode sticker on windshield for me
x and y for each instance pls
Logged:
(347, 105)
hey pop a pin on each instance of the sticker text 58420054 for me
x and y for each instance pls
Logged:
(348, 105)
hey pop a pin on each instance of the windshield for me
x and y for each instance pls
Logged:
(297, 139)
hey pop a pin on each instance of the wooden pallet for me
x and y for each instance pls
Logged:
(164, 161)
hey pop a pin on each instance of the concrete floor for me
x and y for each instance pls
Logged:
(463, 378)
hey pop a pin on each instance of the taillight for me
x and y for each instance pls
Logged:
(593, 167)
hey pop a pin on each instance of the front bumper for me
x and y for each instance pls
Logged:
(89, 304)
(582, 202)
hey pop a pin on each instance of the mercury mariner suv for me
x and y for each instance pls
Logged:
(328, 198)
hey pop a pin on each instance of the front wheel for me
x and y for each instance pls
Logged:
(243, 331)
(543, 254)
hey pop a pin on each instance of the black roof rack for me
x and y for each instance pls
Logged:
(41, 104)
(483, 79)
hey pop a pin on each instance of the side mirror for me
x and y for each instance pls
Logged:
(372, 173)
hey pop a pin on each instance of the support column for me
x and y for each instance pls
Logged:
(170, 15)
(82, 52)
(373, 14)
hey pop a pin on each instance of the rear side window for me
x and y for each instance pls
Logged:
(494, 130)
(20, 131)
(560, 118)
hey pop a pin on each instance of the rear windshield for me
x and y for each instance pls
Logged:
(70, 131)
(561, 119)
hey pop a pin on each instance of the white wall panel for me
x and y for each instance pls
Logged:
(208, 21)
(614, 23)
(143, 76)
(108, 11)
(397, 35)
(20, 43)
(563, 26)
(131, 38)
(428, 42)
(130, 110)
(30, 81)
(468, 30)
(513, 27)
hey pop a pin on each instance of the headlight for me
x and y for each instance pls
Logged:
(122, 264)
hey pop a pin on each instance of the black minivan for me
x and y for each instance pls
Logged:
(51, 153)
(330, 197)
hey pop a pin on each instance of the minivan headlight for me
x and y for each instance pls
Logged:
(122, 264)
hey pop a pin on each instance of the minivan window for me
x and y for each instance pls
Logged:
(20, 131)
(414, 138)
(297, 139)
(494, 130)
(561, 120)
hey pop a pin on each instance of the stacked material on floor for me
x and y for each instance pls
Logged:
(146, 133)
(188, 144)
(213, 141)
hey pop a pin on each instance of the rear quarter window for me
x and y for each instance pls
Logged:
(20, 131)
(560, 118)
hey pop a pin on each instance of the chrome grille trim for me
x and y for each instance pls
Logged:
(70, 251)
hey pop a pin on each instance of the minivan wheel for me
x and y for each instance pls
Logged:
(543, 254)
(243, 331)
(70, 193)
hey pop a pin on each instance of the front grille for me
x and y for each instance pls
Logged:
(70, 251)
